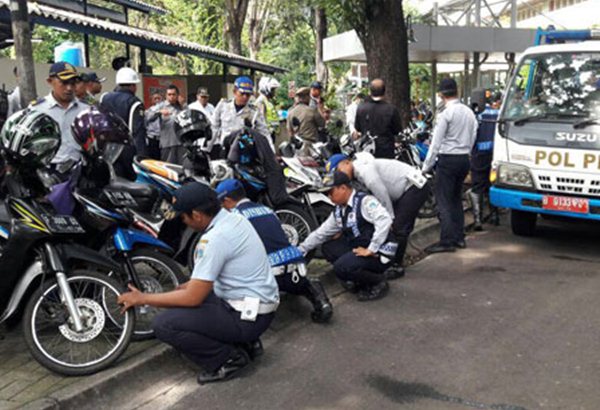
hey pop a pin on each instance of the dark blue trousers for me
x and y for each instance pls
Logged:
(451, 171)
(208, 334)
(349, 267)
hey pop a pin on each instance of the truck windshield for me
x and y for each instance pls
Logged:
(560, 86)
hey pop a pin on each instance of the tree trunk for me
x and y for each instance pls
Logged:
(22, 37)
(321, 34)
(386, 47)
(258, 16)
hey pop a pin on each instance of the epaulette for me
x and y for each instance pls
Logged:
(38, 101)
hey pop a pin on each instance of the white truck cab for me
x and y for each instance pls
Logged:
(547, 143)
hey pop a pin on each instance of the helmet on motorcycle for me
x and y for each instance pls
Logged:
(267, 86)
(30, 137)
(192, 125)
(94, 128)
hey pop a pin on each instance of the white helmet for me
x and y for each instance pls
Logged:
(127, 75)
(267, 85)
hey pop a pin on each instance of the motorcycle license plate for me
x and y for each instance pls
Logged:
(62, 224)
(564, 203)
(119, 198)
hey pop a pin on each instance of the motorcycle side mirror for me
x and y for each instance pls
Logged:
(502, 128)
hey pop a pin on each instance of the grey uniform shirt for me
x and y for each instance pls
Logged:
(14, 102)
(371, 210)
(227, 120)
(168, 138)
(69, 149)
(454, 133)
(385, 178)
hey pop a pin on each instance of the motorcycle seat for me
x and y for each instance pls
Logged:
(135, 189)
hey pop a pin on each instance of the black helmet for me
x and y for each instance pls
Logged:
(95, 127)
(192, 125)
(30, 137)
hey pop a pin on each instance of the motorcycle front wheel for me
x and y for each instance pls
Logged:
(296, 222)
(50, 333)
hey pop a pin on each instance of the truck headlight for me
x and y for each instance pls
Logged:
(515, 175)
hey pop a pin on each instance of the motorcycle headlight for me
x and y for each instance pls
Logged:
(514, 175)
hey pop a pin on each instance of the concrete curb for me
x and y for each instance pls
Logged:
(92, 387)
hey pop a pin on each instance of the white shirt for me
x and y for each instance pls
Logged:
(454, 133)
(207, 110)
(351, 116)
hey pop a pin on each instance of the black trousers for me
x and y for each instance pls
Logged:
(207, 334)
(153, 148)
(450, 174)
(287, 285)
(349, 267)
(406, 210)
(481, 166)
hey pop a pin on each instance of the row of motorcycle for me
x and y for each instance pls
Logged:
(70, 242)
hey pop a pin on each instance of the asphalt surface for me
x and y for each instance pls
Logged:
(508, 324)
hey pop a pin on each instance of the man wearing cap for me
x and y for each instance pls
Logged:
(126, 105)
(452, 141)
(316, 100)
(202, 104)
(62, 105)
(217, 317)
(171, 148)
(93, 86)
(305, 121)
(401, 189)
(287, 260)
(362, 251)
(231, 116)
(380, 119)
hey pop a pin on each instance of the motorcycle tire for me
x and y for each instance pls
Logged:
(96, 296)
(296, 222)
(158, 273)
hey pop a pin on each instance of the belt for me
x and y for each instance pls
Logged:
(263, 308)
(452, 155)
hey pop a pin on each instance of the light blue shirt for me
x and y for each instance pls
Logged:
(69, 149)
(231, 255)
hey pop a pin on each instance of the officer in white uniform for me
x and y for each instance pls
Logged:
(217, 317)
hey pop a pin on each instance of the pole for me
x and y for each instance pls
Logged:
(434, 84)
(86, 39)
(127, 50)
(22, 36)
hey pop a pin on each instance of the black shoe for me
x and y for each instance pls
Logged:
(394, 272)
(349, 286)
(254, 349)
(460, 244)
(374, 292)
(236, 362)
(438, 247)
(322, 308)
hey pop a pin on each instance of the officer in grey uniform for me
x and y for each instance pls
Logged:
(217, 317)
(364, 250)
(452, 141)
(62, 105)
(230, 117)
(400, 188)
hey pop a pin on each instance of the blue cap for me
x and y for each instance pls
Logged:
(317, 85)
(334, 161)
(244, 84)
(228, 186)
(63, 71)
(333, 179)
(191, 196)
(92, 78)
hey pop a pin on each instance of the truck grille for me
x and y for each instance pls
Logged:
(580, 185)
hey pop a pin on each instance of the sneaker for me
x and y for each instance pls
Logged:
(374, 292)
(236, 362)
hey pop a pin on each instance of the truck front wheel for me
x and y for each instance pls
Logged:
(523, 223)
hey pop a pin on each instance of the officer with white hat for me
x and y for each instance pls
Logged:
(126, 105)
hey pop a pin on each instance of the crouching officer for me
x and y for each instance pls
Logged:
(231, 297)
(401, 189)
(355, 238)
(287, 260)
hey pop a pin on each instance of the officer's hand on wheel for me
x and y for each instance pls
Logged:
(130, 299)
(360, 251)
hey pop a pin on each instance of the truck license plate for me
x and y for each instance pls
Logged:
(564, 203)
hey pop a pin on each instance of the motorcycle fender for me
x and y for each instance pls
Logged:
(74, 252)
(126, 239)
(20, 290)
(316, 197)
(186, 239)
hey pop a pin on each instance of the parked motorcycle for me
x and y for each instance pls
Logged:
(71, 320)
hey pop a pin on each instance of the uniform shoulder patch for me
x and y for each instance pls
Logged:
(371, 202)
(38, 101)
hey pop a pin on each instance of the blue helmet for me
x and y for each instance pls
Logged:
(244, 84)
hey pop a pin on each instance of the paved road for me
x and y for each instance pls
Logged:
(510, 323)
